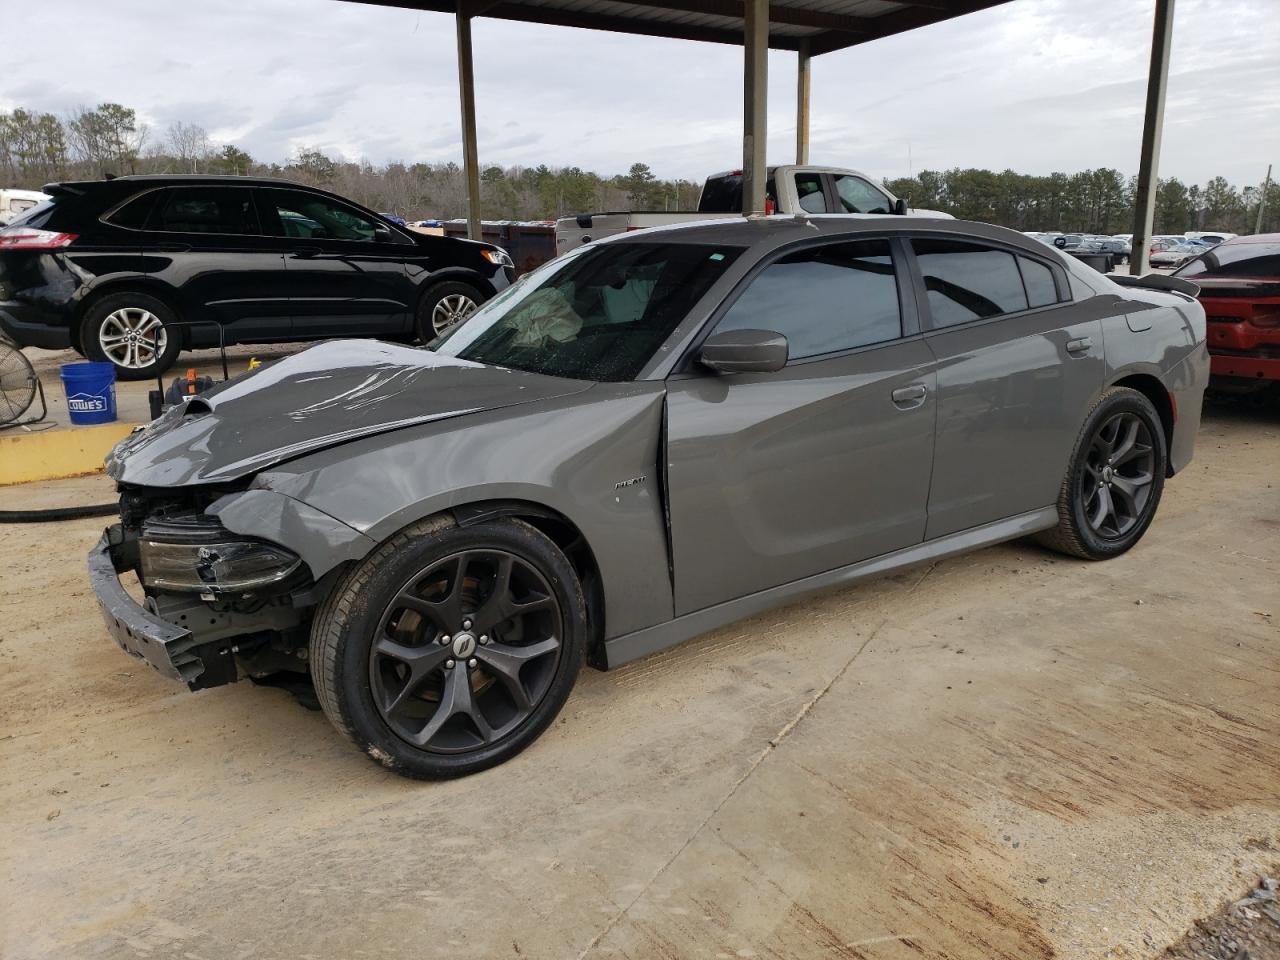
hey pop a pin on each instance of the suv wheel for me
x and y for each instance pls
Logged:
(134, 331)
(1113, 484)
(444, 306)
(450, 649)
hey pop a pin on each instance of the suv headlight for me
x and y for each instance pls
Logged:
(196, 555)
(498, 257)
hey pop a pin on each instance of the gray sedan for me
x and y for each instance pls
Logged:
(641, 441)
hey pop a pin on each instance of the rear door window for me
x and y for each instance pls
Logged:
(213, 210)
(823, 299)
(1038, 280)
(809, 190)
(968, 281)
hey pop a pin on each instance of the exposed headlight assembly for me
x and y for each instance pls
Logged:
(194, 556)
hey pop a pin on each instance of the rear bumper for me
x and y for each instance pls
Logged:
(1252, 368)
(135, 629)
(31, 328)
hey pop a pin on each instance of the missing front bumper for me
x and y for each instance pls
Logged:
(168, 648)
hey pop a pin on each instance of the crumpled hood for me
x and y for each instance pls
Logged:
(329, 394)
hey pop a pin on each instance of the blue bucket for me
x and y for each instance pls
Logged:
(91, 392)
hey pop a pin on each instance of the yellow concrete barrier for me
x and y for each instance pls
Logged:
(54, 454)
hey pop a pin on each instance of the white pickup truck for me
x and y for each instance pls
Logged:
(789, 190)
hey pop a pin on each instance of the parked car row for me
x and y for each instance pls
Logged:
(134, 270)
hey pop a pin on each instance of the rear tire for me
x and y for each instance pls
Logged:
(1115, 478)
(135, 332)
(434, 662)
(443, 306)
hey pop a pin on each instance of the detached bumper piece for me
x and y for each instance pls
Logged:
(173, 651)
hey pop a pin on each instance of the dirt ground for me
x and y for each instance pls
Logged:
(1007, 755)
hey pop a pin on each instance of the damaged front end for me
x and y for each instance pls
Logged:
(218, 604)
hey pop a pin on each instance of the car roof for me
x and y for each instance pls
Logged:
(160, 179)
(773, 231)
(1252, 238)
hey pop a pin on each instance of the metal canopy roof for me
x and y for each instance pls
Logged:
(822, 25)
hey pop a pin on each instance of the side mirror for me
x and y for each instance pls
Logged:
(900, 207)
(381, 232)
(744, 351)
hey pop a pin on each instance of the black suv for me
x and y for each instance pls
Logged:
(135, 269)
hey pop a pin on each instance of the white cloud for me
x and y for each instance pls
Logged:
(1036, 85)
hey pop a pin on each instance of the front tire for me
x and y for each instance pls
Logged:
(450, 649)
(443, 306)
(1114, 481)
(135, 332)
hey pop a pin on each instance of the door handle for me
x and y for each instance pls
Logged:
(1079, 345)
(172, 248)
(909, 396)
(306, 253)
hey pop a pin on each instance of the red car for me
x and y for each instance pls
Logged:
(1240, 289)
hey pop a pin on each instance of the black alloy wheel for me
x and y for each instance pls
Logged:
(465, 651)
(1115, 478)
(450, 649)
(1119, 471)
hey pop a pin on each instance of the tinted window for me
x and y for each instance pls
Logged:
(599, 313)
(1038, 279)
(967, 281)
(314, 217)
(858, 196)
(823, 299)
(133, 214)
(1236, 260)
(206, 210)
(809, 190)
(724, 194)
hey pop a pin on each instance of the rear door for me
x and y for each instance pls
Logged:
(1017, 366)
(207, 242)
(346, 269)
(778, 476)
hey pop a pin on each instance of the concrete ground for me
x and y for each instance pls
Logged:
(1007, 755)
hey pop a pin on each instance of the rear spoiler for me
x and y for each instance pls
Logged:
(1158, 281)
(63, 189)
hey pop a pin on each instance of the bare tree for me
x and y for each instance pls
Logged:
(189, 143)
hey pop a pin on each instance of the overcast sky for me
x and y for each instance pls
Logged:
(1036, 85)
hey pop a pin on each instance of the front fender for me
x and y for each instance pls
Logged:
(320, 540)
(592, 457)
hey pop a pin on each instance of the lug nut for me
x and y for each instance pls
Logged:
(448, 664)
(484, 639)
(472, 662)
(444, 641)
(466, 624)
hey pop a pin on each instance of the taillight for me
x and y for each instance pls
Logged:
(1268, 317)
(24, 238)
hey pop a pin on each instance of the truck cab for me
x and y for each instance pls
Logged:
(789, 190)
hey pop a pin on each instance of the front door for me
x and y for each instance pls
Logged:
(773, 477)
(1018, 365)
(346, 271)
